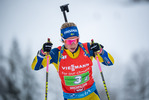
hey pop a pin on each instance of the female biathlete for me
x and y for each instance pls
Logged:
(73, 62)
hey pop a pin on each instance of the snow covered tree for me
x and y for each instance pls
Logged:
(130, 86)
(8, 68)
(17, 82)
(31, 88)
(137, 80)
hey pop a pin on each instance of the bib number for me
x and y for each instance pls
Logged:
(77, 79)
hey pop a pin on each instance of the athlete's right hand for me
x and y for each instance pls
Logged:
(47, 47)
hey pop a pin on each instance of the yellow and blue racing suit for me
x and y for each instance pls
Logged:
(86, 89)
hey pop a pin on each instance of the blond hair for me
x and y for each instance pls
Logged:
(67, 24)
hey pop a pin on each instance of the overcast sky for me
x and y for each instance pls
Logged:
(120, 26)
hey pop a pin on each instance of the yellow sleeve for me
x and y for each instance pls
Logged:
(111, 58)
(39, 62)
(106, 59)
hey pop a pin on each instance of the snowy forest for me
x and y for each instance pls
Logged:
(126, 39)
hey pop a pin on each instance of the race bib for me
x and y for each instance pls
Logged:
(77, 79)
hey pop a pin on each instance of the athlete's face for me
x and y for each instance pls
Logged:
(71, 43)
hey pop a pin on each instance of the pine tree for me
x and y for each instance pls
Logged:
(30, 84)
(17, 81)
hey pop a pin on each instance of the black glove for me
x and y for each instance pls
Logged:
(96, 47)
(47, 47)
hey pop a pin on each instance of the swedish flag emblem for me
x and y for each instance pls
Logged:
(72, 34)
(61, 34)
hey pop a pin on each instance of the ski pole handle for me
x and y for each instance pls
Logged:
(96, 55)
(48, 42)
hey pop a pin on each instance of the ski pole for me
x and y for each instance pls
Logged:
(47, 70)
(96, 55)
(63, 9)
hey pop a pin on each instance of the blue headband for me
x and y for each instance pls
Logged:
(69, 32)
